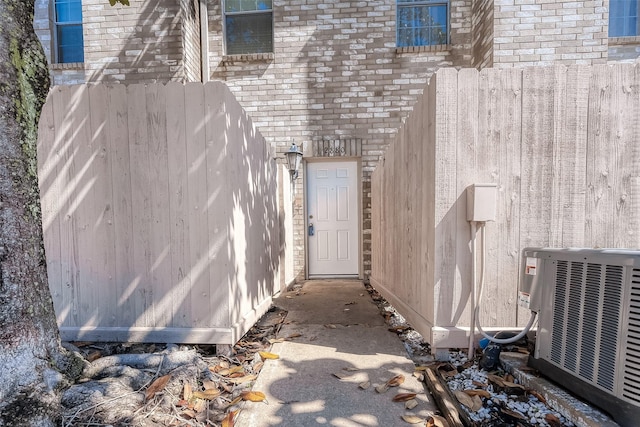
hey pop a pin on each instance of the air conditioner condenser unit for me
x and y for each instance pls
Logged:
(588, 337)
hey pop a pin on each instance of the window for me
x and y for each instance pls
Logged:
(422, 23)
(248, 26)
(623, 18)
(67, 17)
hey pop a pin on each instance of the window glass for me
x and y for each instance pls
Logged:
(623, 18)
(68, 11)
(422, 23)
(249, 26)
(68, 31)
(70, 43)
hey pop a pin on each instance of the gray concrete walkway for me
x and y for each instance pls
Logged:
(340, 332)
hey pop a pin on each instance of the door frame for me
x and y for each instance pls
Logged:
(359, 211)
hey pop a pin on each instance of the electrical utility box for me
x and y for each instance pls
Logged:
(482, 200)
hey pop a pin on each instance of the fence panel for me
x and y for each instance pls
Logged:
(160, 213)
(560, 144)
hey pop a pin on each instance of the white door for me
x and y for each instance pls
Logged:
(333, 219)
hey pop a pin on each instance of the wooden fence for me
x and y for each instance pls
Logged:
(562, 145)
(160, 213)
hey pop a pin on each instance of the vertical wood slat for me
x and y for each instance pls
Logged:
(127, 277)
(160, 289)
(140, 203)
(446, 294)
(219, 202)
(181, 309)
(100, 198)
(469, 161)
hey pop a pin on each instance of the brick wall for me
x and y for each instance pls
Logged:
(335, 74)
(149, 41)
(544, 32)
(190, 10)
(482, 33)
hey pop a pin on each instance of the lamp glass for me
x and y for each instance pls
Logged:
(294, 157)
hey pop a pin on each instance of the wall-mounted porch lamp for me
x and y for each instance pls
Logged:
(294, 157)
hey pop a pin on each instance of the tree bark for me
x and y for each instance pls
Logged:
(31, 358)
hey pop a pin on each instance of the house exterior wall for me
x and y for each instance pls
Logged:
(335, 74)
(545, 32)
(482, 33)
(148, 41)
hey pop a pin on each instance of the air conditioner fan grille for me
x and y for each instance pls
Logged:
(631, 376)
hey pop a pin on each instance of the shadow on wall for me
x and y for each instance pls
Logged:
(452, 301)
(160, 213)
(163, 44)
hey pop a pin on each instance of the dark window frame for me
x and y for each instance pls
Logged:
(627, 29)
(57, 51)
(407, 4)
(237, 49)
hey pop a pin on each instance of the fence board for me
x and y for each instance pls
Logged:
(100, 197)
(126, 277)
(181, 309)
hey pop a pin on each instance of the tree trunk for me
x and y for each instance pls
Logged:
(31, 357)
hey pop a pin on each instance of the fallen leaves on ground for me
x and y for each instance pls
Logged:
(403, 397)
(228, 421)
(412, 419)
(266, 355)
(253, 396)
(209, 394)
(437, 421)
(156, 387)
(395, 381)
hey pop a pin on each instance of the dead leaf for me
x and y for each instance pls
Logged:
(412, 419)
(350, 369)
(477, 403)
(496, 380)
(208, 384)
(266, 355)
(258, 367)
(395, 381)
(94, 355)
(253, 396)
(199, 405)
(156, 387)
(207, 394)
(234, 401)
(552, 420)
(242, 380)
(288, 296)
(437, 421)
(410, 404)
(341, 376)
(294, 335)
(403, 397)
(479, 384)
(276, 340)
(538, 396)
(188, 413)
(514, 414)
(329, 326)
(187, 391)
(228, 421)
(364, 385)
(464, 398)
(476, 392)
